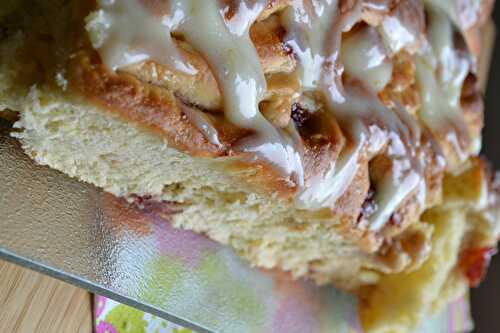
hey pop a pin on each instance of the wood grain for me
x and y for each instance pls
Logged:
(32, 302)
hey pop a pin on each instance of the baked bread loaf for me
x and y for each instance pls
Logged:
(335, 140)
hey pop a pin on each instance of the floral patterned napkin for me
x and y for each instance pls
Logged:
(113, 317)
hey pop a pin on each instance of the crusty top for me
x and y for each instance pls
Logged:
(356, 107)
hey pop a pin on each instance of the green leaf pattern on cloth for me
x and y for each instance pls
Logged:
(127, 320)
(114, 317)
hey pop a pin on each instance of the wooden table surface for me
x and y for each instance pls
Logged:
(33, 302)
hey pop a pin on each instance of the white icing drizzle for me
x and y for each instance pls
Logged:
(464, 13)
(401, 29)
(307, 24)
(401, 131)
(440, 74)
(231, 55)
(364, 110)
(125, 33)
(365, 58)
(230, 52)
(396, 35)
(314, 30)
